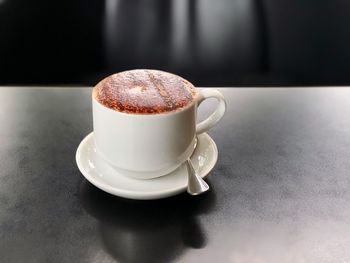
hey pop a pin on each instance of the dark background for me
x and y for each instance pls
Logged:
(211, 43)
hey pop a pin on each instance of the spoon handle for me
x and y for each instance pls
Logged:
(196, 184)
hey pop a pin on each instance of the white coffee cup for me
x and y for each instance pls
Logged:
(146, 146)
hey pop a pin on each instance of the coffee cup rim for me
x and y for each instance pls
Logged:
(176, 111)
(148, 115)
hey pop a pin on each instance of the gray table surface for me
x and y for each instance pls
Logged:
(280, 189)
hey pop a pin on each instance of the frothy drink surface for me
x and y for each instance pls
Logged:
(144, 92)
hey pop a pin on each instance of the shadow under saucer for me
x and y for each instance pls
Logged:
(147, 231)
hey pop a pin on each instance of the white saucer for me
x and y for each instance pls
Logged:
(105, 177)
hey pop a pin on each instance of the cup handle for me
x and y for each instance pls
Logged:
(219, 112)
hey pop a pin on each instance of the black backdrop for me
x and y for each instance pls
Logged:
(212, 43)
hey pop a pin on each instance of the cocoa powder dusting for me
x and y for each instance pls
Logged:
(144, 92)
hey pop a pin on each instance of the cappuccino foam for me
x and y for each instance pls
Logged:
(144, 92)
